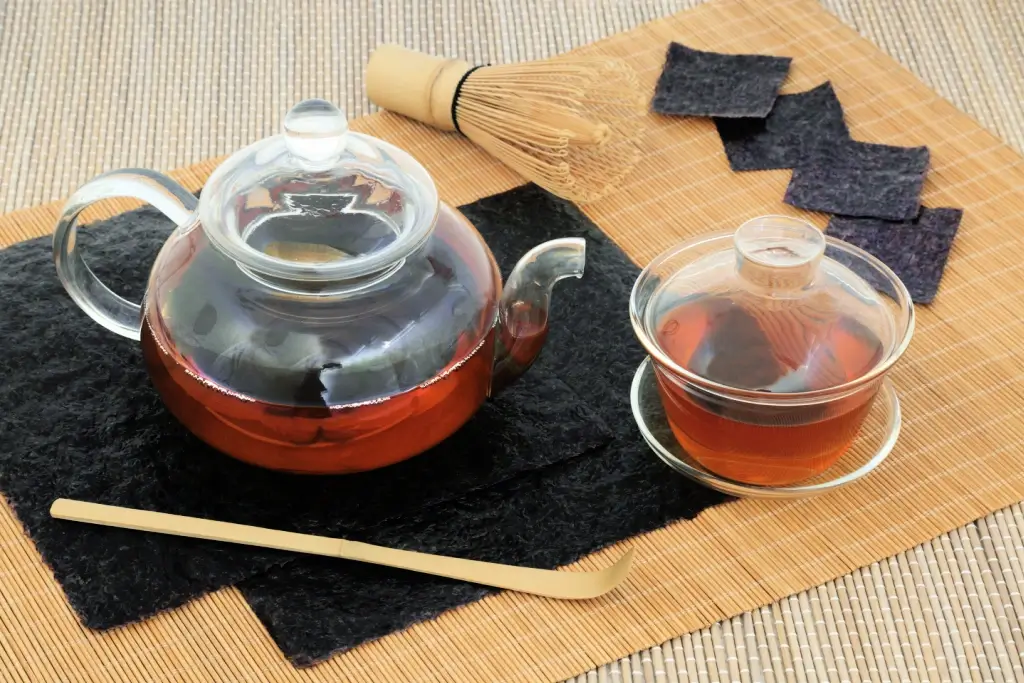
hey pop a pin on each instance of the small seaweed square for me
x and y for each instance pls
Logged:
(861, 179)
(699, 83)
(797, 124)
(916, 250)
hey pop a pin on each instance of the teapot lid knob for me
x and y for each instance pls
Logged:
(314, 132)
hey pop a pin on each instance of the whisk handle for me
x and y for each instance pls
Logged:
(414, 84)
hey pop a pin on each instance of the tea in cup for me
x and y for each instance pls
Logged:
(769, 345)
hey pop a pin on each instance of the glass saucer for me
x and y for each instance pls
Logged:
(873, 444)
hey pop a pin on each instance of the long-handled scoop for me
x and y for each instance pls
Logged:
(552, 584)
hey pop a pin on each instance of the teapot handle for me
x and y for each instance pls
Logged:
(92, 296)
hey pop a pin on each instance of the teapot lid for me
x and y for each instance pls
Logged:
(774, 307)
(318, 202)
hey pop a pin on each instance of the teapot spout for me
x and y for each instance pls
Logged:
(522, 324)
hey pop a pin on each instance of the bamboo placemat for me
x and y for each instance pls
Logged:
(954, 464)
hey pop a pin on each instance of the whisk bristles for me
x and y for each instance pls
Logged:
(570, 124)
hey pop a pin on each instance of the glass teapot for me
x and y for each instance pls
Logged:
(319, 309)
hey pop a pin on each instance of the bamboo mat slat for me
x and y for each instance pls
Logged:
(950, 607)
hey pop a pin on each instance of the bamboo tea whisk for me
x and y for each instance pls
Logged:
(571, 125)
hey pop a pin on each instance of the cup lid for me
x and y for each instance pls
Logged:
(317, 201)
(772, 309)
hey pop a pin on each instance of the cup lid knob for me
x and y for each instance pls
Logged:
(777, 252)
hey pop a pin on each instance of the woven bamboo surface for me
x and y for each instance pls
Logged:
(948, 608)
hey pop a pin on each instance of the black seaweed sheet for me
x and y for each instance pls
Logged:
(916, 250)
(860, 179)
(699, 83)
(546, 518)
(797, 124)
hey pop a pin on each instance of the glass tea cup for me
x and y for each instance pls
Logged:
(769, 344)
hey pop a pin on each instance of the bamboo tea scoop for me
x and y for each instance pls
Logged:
(551, 584)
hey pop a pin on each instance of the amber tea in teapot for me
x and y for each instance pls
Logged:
(320, 310)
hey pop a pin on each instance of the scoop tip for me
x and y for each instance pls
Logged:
(618, 572)
(625, 563)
